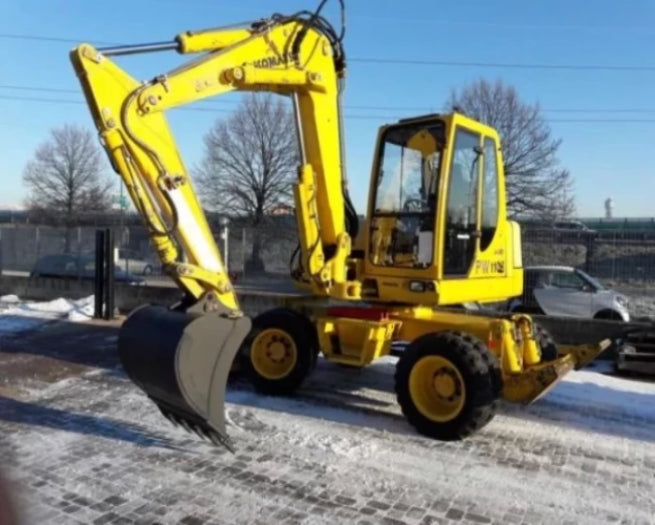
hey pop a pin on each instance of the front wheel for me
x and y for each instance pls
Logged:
(448, 385)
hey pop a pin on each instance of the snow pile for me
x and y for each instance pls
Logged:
(602, 391)
(17, 315)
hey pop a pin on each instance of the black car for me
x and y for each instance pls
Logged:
(71, 266)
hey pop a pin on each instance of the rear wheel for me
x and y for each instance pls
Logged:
(279, 352)
(448, 385)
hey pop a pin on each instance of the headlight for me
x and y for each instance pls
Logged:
(622, 300)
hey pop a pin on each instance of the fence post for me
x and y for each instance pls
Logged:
(99, 274)
(37, 243)
(243, 249)
(224, 235)
(109, 273)
(590, 243)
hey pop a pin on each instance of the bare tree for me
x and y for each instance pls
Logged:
(536, 184)
(65, 178)
(249, 164)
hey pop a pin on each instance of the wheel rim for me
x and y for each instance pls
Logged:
(437, 388)
(273, 353)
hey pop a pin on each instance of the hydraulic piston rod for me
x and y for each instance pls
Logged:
(139, 48)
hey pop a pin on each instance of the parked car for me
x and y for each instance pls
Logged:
(72, 266)
(129, 261)
(572, 225)
(567, 291)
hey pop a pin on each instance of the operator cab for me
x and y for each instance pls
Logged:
(435, 209)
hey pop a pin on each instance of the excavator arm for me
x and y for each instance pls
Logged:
(281, 55)
(180, 356)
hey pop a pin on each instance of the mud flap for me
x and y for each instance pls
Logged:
(181, 360)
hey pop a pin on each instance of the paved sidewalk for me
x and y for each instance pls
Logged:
(82, 445)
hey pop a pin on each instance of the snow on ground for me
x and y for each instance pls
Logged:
(92, 448)
(317, 458)
(17, 315)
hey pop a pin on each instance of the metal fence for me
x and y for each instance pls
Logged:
(614, 256)
(21, 246)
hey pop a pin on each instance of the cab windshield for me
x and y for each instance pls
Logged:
(410, 158)
(404, 213)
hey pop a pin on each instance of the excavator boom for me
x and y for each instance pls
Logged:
(180, 356)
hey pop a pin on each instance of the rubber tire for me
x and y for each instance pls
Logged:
(481, 374)
(608, 315)
(545, 342)
(304, 336)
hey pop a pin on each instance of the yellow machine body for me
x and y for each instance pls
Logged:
(436, 235)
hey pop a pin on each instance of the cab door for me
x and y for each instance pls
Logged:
(461, 222)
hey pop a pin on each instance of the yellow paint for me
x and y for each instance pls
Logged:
(273, 354)
(129, 117)
(437, 388)
(354, 341)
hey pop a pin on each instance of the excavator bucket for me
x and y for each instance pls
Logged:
(181, 360)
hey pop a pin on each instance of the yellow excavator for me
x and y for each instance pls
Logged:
(436, 235)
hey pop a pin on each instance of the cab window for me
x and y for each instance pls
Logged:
(489, 194)
(568, 280)
(462, 204)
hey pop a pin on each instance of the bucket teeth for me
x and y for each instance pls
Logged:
(202, 430)
(198, 430)
(220, 440)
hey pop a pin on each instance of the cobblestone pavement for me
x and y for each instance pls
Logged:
(80, 444)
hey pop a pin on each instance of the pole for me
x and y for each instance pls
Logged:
(225, 237)
(243, 250)
(226, 245)
(122, 217)
(99, 274)
(109, 274)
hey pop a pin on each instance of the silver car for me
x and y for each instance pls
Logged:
(567, 291)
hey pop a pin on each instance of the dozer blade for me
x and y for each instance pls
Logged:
(584, 354)
(536, 381)
(182, 361)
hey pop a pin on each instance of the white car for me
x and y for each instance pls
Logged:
(129, 261)
(567, 291)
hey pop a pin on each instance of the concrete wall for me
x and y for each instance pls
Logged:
(127, 297)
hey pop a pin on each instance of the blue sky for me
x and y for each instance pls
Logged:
(610, 157)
